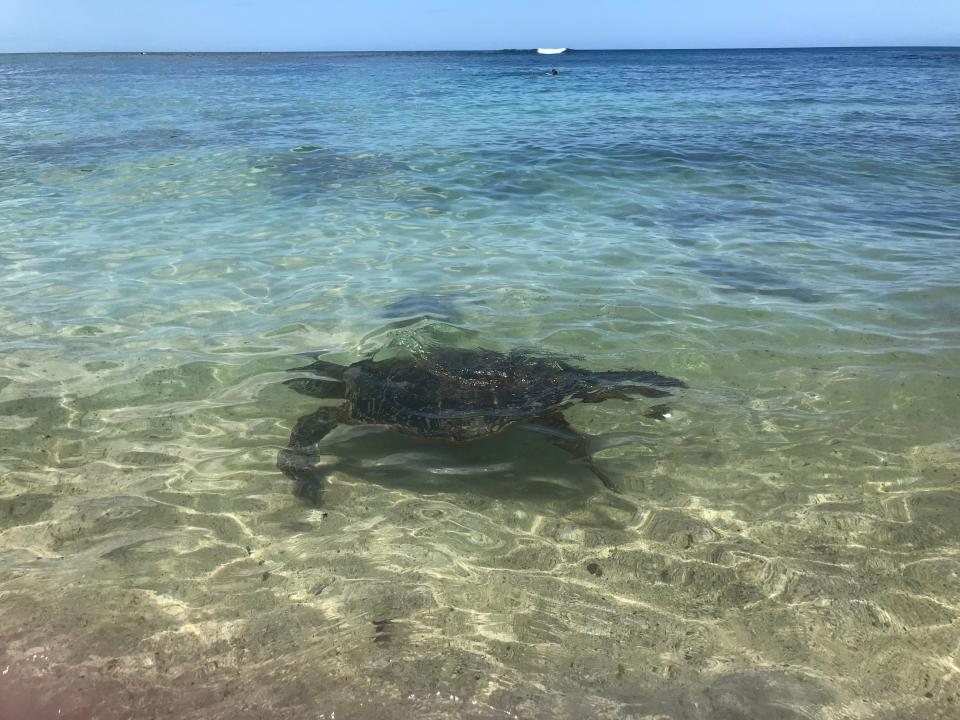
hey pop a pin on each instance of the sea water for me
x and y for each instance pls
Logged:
(777, 228)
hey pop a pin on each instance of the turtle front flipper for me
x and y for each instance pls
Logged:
(560, 433)
(298, 460)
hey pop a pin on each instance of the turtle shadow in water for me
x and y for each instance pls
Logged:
(514, 465)
(93, 152)
(308, 172)
(439, 306)
(455, 395)
(752, 277)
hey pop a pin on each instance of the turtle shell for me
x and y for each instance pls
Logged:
(457, 394)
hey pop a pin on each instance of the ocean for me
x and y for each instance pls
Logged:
(777, 228)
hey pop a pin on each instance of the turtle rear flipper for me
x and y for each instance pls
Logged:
(559, 432)
(645, 377)
(622, 392)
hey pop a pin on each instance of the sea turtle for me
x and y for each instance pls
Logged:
(457, 395)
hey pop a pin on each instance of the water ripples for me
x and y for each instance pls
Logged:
(777, 229)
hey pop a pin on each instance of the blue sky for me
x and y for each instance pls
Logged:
(80, 25)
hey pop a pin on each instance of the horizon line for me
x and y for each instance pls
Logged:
(474, 50)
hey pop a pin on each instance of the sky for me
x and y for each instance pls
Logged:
(264, 25)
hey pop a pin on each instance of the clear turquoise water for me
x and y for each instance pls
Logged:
(777, 228)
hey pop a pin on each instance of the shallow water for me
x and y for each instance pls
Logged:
(777, 228)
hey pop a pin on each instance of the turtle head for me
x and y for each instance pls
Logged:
(329, 384)
(317, 387)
